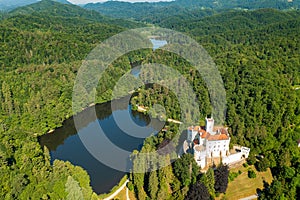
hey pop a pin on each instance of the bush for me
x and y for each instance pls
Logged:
(251, 174)
(245, 165)
(251, 160)
(233, 175)
(130, 186)
(262, 165)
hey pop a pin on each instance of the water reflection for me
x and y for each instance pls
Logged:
(65, 144)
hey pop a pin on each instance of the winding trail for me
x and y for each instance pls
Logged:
(117, 191)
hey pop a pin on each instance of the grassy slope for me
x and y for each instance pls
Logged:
(242, 186)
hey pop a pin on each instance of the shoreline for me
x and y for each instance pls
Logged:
(145, 109)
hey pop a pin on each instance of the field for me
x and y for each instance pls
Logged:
(122, 195)
(242, 186)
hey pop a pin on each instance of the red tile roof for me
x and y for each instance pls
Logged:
(222, 135)
(204, 133)
(218, 137)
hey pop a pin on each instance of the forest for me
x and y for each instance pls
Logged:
(183, 9)
(263, 108)
(257, 53)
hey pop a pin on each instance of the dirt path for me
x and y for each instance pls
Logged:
(117, 191)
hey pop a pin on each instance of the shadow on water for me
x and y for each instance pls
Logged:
(65, 144)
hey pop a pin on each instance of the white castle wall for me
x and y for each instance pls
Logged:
(217, 148)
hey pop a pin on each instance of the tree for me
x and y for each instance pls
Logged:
(262, 165)
(198, 191)
(221, 178)
(73, 189)
(272, 192)
(153, 184)
(138, 175)
(186, 169)
(208, 180)
(8, 99)
(251, 160)
(251, 173)
(164, 176)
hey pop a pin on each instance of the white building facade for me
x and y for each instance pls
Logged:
(212, 142)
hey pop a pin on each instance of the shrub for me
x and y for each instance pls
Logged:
(262, 165)
(130, 186)
(233, 175)
(251, 174)
(251, 160)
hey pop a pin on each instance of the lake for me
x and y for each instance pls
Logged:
(65, 144)
(136, 68)
(158, 43)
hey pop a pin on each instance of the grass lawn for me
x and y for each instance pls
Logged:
(131, 195)
(242, 186)
(122, 195)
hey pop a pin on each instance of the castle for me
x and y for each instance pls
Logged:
(209, 142)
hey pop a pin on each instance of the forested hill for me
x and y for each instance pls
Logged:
(49, 32)
(232, 20)
(152, 12)
(257, 54)
(10, 5)
(40, 53)
(52, 8)
(237, 4)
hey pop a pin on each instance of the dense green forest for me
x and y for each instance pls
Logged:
(257, 54)
(182, 9)
(40, 55)
(8, 5)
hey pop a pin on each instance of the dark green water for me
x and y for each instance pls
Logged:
(65, 144)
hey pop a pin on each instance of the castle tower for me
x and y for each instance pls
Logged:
(209, 125)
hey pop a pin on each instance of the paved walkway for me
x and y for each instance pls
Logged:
(250, 197)
(174, 121)
(117, 191)
(127, 195)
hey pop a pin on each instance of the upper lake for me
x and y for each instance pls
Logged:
(158, 43)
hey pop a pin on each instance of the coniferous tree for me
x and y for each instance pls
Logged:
(73, 189)
(153, 185)
(221, 178)
(208, 180)
(198, 191)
